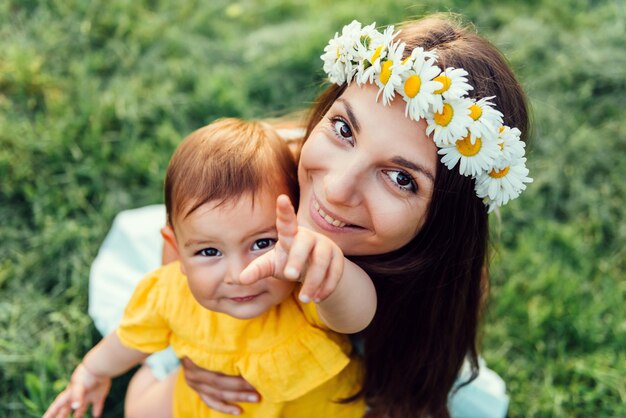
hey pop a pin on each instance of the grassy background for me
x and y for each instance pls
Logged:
(94, 96)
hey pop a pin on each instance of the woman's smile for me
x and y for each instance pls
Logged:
(327, 217)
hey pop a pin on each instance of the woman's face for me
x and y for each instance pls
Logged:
(366, 174)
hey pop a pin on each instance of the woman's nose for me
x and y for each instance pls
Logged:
(343, 185)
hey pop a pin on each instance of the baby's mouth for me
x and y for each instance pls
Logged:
(242, 299)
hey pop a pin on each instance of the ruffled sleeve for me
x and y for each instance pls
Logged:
(143, 326)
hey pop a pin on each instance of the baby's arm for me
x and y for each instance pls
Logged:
(344, 293)
(91, 380)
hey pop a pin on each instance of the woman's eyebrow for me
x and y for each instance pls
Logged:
(415, 167)
(353, 119)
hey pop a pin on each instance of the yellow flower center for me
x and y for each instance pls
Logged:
(466, 148)
(475, 111)
(445, 81)
(376, 54)
(497, 174)
(385, 72)
(412, 85)
(444, 118)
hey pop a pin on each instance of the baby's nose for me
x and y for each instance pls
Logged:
(233, 272)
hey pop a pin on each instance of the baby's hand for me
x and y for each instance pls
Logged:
(299, 255)
(84, 389)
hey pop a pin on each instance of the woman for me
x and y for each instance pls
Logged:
(372, 180)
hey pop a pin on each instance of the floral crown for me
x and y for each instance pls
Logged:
(468, 132)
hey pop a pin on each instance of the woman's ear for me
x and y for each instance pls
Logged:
(170, 247)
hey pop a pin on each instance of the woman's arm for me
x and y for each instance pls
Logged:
(91, 380)
(217, 390)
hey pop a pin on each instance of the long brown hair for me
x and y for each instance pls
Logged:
(430, 290)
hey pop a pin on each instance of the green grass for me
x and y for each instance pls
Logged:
(95, 95)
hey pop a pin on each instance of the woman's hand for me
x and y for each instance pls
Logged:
(299, 255)
(84, 389)
(218, 390)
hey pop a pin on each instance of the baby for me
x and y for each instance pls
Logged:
(227, 195)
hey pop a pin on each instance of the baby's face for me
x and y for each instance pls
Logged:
(216, 243)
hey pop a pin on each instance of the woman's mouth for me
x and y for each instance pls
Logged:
(329, 219)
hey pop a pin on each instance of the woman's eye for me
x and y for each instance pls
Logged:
(263, 244)
(401, 179)
(209, 252)
(342, 129)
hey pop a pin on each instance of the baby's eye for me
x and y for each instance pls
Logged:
(263, 244)
(402, 180)
(342, 129)
(209, 252)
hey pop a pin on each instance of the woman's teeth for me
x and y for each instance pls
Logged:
(327, 218)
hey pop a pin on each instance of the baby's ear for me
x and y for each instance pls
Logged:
(170, 247)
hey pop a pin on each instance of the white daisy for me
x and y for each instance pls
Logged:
(502, 185)
(390, 78)
(418, 88)
(476, 157)
(510, 143)
(366, 70)
(370, 67)
(454, 86)
(365, 43)
(334, 66)
(450, 123)
(339, 54)
(485, 119)
(351, 35)
(376, 52)
(386, 39)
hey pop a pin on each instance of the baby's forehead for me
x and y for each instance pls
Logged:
(260, 202)
(236, 220)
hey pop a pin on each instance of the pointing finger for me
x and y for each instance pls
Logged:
(259, 268)
(286, 223)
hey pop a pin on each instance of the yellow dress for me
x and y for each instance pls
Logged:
(299, 367)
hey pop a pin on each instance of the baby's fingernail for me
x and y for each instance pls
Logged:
(75, 405)
(291, 273)
(304, 298)
(317, 300)
(253, 398)
(235, 412)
